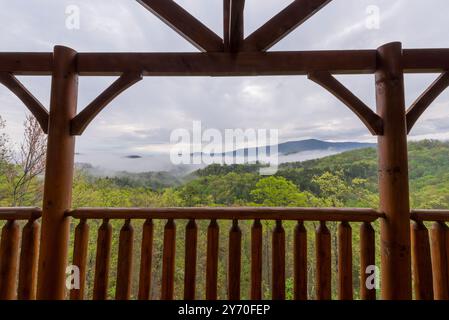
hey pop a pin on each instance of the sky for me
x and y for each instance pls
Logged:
(141, 119)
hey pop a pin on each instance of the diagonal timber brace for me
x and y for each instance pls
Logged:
(425, 100)
(372, 120)
(80, 122)
(31, 102)
(185, 24)
(278, 27)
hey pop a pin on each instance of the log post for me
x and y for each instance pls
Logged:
(393, 175)
(58, 176)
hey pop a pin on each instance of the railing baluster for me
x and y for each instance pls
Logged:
(367, 259)
(234, 263)
(212, 260)
(102, 261)
(422, 264)
(125, 262)
(323, 262)
(256, 260)
(345, 289)
(28, 261)
(278, 262)
(146, 257)
(168, 260)
(190, 260)
(80, 251)
(439, 250)
(9, 254)
(300, 262)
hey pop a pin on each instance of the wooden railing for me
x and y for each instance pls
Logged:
(430, 256)
(18, 261)
(171, 215)
(13, 267)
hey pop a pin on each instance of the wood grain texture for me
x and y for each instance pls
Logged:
(422, 263)
(300, 262)
(146, 259)
(278, 262)
(367, 260)
(80, 252)
(29, 251)
(345, 287)
(393, 175)
(234, 261)
(9, 255)
(439, 255)
(190, 260)
(212, 260)
(256, 260)
(125, 262)
(102, 261)
(168, 261)
(323, 262)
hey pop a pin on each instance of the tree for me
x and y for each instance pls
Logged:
(334, 189)
(28, 164)
(278, 192)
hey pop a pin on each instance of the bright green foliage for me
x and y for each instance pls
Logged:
(278, 192)
(344, 180)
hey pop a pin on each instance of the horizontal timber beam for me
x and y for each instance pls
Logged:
(430, 215)
(230, 213)
(227, 64)
(20, 213)
(425, 60)
(26, 63)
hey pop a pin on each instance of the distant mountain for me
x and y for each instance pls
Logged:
(292, 147)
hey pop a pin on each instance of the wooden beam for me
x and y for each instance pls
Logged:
(282, 24)
(430, 215)
(425, 100)
(425, 60)
(20, 213)
(226, 213)
(26, 63)
(393, 176)
(82, 120)
(371, 120)
(225, 64)
(234, 24)
(185, 24)
(226, 20)
(30, 101)
(58, 178)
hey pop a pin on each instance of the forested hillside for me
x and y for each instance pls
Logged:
(347, 179)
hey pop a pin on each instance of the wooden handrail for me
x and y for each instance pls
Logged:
(20, 213)
(231, 213)
(430, 215)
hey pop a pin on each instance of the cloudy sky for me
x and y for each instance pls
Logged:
(141, 119)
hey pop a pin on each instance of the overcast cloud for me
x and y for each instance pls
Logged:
(141, 119)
